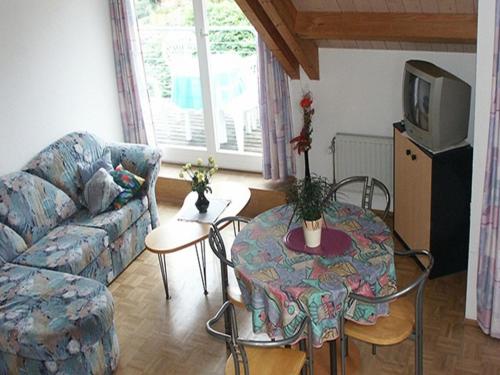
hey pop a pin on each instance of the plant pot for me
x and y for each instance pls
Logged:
(202, 202)
(312, 232)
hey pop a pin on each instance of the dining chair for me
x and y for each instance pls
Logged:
(369, 186)
(230, 289)
(258, 357)
(405, 319)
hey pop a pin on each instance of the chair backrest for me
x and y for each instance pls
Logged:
(369, 185)
(216, 242)
(417, 284)
(237, 345)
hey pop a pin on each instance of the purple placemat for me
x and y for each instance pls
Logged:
(333, 242)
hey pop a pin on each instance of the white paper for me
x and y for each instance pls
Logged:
(189, 212)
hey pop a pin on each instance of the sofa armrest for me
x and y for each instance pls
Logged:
(145, 161)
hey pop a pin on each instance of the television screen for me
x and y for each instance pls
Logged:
(417, 101)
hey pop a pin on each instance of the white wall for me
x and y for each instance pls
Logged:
(360, 92)
(56, 75)
(485, 38)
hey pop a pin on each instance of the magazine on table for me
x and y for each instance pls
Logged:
(189, 212)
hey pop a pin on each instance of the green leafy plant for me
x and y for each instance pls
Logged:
(309, 197)
(199, 174)
(157, 71)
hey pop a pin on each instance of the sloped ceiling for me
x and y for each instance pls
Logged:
(294, 29)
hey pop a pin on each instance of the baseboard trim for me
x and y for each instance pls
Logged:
(471, 322)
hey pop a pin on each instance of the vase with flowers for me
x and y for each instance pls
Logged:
(302, 142)
(200, 175)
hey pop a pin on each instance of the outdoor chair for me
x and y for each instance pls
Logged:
(405, 319)
(257, 357)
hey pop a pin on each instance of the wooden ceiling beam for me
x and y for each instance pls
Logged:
(272, 38)
(283, 14)
(403, 27)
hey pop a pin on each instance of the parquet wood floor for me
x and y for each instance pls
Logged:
(168, 337)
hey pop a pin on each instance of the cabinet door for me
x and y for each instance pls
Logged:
(412, 193)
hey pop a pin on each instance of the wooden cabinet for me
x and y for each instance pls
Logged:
(432, 201)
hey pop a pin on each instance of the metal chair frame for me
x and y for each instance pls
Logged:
(418, 333)
(219, 249)
(217, 244)
(366, 203)
(237, 344)
(369, 186)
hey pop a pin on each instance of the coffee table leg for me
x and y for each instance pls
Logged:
(202, 265)
(163, 269)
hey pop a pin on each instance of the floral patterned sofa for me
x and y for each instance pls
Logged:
(56, 314)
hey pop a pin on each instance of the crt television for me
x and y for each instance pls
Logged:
(435, 104)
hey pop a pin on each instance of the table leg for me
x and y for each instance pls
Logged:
(333, 357)
(163, 269)
(322, 359)
(202, 265)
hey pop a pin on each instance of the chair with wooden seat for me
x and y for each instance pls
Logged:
(405, 318)
(369, 186)
(230, 289)
(257, 357)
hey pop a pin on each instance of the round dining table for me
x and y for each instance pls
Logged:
(280, 286)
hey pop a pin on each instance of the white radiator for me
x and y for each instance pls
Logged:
(363, 155)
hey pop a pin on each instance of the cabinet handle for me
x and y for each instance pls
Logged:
(414, 157)
(408, 152)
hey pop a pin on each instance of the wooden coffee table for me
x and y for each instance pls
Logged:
(175, 235)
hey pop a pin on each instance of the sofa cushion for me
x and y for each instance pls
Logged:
(11, 244)
(87, 170)
(99, 358)
(67, 248)
(58, 163)
(130, 183)
(32, 206)
(50, 315)
(113, 222)
(100, 192)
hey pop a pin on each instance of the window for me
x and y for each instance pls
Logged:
(201, 69)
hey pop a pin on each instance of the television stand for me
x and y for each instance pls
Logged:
(432, 201)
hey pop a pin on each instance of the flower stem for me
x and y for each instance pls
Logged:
(306, 159)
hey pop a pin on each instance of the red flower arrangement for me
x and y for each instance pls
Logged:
(302, 142)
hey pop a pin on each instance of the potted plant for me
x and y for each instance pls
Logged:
(309, 198)
(200, 176)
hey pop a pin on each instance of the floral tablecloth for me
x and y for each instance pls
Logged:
(275, 280)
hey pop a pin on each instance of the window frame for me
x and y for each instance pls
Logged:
(180, 154)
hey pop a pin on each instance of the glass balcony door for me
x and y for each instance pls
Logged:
(201, 67)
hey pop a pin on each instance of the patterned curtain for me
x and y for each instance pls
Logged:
(132, 91)
(488, 280)
(275, 117)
